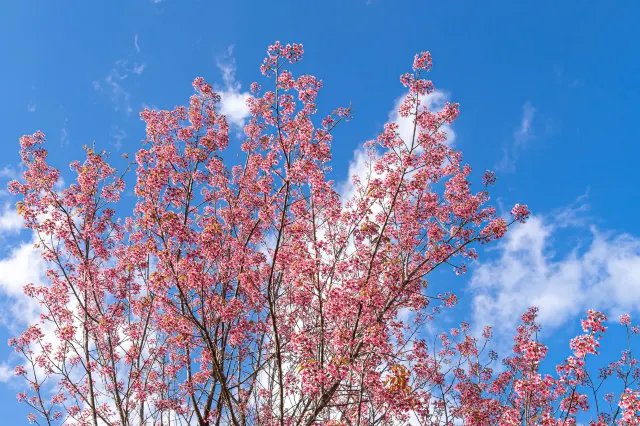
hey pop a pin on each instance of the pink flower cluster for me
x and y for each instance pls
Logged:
(256, 294)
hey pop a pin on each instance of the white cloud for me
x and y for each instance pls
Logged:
(10, 221)
(8, 172)
(233, 103)
(113, 83)
(31, 107)
(59, 186)
(359, 165)
(135, 43)
(64, 133)
(601, 273)
(118, 135)
(6, 372)
(152, 107)
(525, 124)
(434, 101)
(521, 136)
(233, 106)
(21, 266)
(138, 68)
(120, 98)
(21, 263)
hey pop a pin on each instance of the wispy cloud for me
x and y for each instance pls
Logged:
(561, 78)
(602, 271)
(521, 137)
(8, 172)
(120, 98)
(117, 136)
(64, 133)
(31, 107)
(113, 83)
(576, 83)
(233, 103)
(138, 68)
(135, 43)
(525, 124)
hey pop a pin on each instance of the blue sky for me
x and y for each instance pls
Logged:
(548, 93)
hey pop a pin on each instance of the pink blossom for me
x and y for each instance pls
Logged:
(520, 212)
(233, 290)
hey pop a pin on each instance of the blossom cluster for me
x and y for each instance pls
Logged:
(257, 294)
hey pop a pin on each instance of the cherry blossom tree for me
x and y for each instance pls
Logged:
(257, 295)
